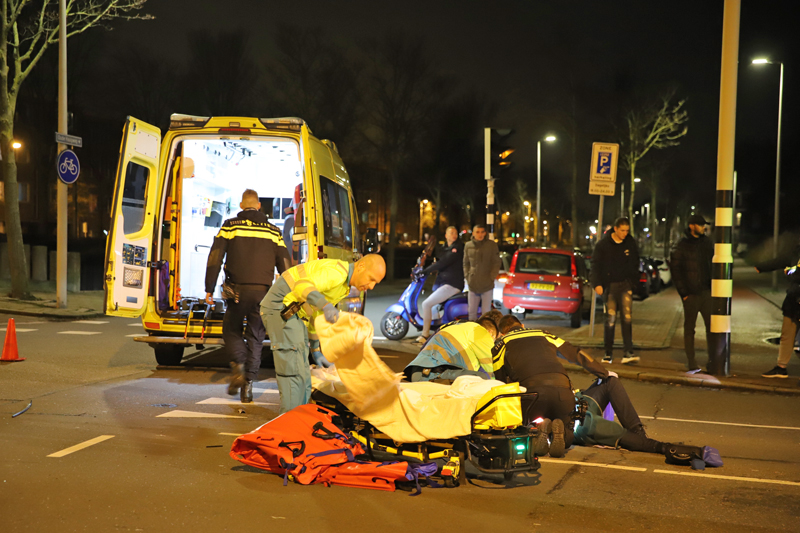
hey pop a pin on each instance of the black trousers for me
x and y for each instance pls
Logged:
(552, 403)
(618, 300)
(692, 305)
(234, 333)
(611, 391)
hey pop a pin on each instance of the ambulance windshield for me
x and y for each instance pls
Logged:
(223, 169)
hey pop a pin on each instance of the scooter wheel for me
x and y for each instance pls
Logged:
(393, 326)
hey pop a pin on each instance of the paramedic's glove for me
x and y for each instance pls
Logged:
(209, 298)
(331, 313)
(316, 353)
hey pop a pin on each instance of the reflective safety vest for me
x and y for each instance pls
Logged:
(329, 277)
(463, 344)
(529, 340)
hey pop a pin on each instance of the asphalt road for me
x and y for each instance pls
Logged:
(154, 448)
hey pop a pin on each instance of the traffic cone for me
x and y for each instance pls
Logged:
(10, 351)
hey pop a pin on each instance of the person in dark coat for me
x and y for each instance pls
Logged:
(481, 266)
(691, 273)
(615, 272)
(449, 282)
(790, 308)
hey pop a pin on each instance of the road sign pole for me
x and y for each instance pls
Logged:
(61, 199)
(599, 235)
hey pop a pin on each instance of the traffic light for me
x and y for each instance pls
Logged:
(500, 151)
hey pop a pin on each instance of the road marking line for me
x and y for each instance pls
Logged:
(230, 401)
(720, 423)
(232, 434)
(21, 330)
(379, 337)
(730, 478)
(90, 322)
(82, 445)
(597, 465)
(389, 356)
(79, 333)
(194, 414)
(134, 335)
(136, 324)
(267, 391)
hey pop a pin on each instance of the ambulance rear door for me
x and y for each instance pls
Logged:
(129, 248)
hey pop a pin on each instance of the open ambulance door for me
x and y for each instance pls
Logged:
(129, 248)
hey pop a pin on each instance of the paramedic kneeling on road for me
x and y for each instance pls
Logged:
(254, 249)
(530, 357)
(302, 293)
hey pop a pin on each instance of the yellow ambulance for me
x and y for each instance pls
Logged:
(174, 191)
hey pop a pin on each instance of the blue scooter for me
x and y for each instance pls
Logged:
(394, 324)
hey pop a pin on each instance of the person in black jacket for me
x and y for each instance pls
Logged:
(449, 282)
(691, 272)
(530, 357)
(615, 272)
(790, 308)
(253, 249)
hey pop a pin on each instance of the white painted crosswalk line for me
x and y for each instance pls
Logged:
(193, 414)
(79, 333)
(136, 324)
(82, 445)
(267, 391)
(231, 401)
(90, 322)
(21, 330)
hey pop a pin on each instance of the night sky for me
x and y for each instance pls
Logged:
(529, 57)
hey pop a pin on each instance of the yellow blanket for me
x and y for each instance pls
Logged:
(406, 412)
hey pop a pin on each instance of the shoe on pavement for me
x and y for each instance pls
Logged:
(777, 372)
(247, 392)
(557, 445)
(694, 370)
(421, 339)
(541, 446)
(607, 359)
(237, 378)
(630, 357)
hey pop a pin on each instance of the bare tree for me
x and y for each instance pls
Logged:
(655, 126)
(27, 29)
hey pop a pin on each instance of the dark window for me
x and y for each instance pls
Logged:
(337, 224)
(134, 197)
(544, 263)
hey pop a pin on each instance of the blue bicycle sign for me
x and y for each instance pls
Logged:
(68, 167)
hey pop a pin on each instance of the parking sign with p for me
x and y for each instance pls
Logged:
(604, 162)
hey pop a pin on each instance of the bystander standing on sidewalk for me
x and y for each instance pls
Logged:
(615, 271)
(481, 266)
(450, 280)
(691, 274)
(790, 308)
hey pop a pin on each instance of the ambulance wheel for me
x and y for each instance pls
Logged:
(168, 354)
(576, 318)
(393, 326)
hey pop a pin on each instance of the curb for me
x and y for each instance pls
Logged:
(53, 314)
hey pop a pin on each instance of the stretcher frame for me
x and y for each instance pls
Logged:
(491, 451)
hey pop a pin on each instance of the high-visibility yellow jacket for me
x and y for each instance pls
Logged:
(329, 278)
(464, 345)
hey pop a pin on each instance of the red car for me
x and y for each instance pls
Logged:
(548, 281)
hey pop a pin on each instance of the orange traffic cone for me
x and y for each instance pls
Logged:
(10, 352)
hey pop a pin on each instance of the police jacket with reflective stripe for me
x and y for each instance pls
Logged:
(522, 355)
(254, 249)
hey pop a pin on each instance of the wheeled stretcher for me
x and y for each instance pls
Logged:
(492, 450)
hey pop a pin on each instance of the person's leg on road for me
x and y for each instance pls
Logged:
(691, 306)
(472, 301)
(706, 310)
(789, 330)
(438, 296)
(291, 363)
(232, 326)
(611, 391)
(254, 331)
(486, 303)
(611, 305)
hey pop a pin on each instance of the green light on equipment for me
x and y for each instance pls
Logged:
(520, 446)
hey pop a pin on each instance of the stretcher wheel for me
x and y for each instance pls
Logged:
(508, 476)
(450, 482)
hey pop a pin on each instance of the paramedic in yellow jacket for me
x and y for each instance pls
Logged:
(294, 300)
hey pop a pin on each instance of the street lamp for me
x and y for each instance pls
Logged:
(549, 138)
(16, 145)
(422, 205)
(764, 61)
(527, 205)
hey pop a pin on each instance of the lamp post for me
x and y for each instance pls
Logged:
(422, 205)
(776, 223)
(549, 138)
(527, 205)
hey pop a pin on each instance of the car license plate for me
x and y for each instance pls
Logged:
(541, 286)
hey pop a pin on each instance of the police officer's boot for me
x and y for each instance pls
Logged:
(237, 378)
(246, 395)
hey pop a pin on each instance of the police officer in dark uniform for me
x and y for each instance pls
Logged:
(530, 357)
(254, 249)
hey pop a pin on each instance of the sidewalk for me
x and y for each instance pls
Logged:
(84, 304)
